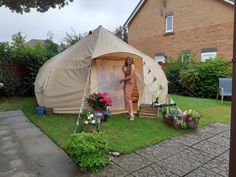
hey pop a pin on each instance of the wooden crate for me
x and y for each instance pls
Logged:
(147, 110)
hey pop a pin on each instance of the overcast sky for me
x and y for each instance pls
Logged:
(81, 15)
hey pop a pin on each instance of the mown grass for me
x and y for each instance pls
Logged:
(124, 136)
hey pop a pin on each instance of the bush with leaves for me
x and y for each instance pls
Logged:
(197, 79)
(12, 83)
(173, 75)
(209, 74)
(89, 150)
(35, 56)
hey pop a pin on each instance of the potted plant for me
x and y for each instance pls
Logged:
(99, 101)
(192, 118)
(173, 117)
(89, 121)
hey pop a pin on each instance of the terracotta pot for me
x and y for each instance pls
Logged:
(175, 124)
(193, 124)
(167, 120)
(89, 128)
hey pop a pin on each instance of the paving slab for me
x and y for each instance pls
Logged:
(132, 162)
(210, 148)
(154, 170)
(112, 170)
(185, 161)
(162, 150)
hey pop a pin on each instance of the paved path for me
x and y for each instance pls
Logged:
(26, 152)
(203, 153)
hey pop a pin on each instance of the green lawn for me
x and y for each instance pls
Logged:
(124, 136)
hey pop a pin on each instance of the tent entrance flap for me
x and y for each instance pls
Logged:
(109, 74)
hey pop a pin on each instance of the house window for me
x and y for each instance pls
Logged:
(160, 57)
(208, 53)
(185, 56)
(169, 22)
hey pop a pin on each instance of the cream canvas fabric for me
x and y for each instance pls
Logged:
(61, 81)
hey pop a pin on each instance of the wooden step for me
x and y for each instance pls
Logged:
(146, 110)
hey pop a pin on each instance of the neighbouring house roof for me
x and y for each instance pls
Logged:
(36, 41)
(134, 13)
(230, 1)
(141, 3)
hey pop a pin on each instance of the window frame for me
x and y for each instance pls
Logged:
(172, 23)
(208, 51)
(163, 60)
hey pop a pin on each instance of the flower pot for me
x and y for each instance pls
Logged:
(176, 125)
(192, 124)
(167, 120)
(89, 127)
(98, 109)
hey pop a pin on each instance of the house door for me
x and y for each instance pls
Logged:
(109, 73)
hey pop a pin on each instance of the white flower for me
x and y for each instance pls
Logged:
(91, 115)
(93, 121)
(86, 122)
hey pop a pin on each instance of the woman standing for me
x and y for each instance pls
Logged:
(128, 70)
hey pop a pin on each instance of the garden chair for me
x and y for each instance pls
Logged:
(225, 88)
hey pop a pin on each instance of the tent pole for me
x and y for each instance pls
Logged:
(82, 101)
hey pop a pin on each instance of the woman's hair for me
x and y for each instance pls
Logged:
(129, 59)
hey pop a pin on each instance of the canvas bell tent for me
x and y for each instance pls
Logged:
(92, 65)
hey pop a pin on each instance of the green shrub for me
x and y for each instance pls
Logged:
(12, 83)
(173, 75)
(5, 53)
(88, 150)
(197, 79)
(34, 57)
(209, 74)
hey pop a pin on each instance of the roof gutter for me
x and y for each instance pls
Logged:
(139, 5)
(230, 2)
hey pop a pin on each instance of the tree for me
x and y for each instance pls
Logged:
(18, 40)
(71, 38)
(51, 47)
(121, 32)
(20, 6)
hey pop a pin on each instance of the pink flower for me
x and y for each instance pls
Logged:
(102, 94)
(190, 119)
(93, 99)
(101, 100)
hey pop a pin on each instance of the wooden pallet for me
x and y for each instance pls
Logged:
(147, 110)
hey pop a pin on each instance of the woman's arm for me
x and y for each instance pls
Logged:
(123, 68)
(132, 67)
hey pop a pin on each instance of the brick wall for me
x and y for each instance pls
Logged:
(197, 24)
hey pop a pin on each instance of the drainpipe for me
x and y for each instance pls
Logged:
(232, 158)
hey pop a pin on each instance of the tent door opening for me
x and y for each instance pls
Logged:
(109, 73)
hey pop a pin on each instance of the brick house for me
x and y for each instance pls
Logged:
(167, 28)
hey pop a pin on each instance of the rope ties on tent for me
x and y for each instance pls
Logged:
(83, 98)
